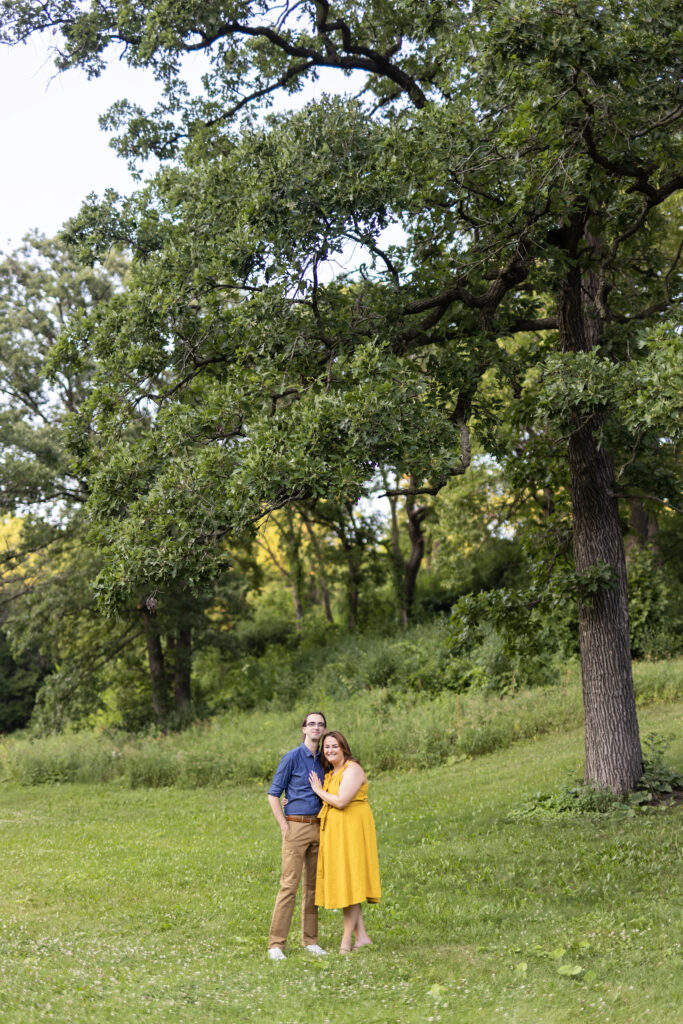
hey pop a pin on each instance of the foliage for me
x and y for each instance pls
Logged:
(237, 236)
(524, 155)
(573, 798)
(20, 680)
(48, 565)
(656, 605)
(657, 779)
(89, 665)
(656, 784)
(392, 729)
(473, 532)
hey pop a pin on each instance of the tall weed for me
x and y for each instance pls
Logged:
(388, 728)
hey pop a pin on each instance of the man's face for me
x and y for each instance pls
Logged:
(314, 727)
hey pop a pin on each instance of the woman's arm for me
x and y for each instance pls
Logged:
(354, 777)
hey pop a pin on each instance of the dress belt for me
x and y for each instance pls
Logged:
(308, 818)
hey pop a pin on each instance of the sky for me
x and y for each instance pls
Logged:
(54, 152)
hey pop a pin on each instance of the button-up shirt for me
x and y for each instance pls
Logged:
(291, 778)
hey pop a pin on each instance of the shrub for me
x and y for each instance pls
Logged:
(657, 779)
(389, 726)
(153, 765)
(655, 606)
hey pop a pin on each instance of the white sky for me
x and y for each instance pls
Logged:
(54, 152)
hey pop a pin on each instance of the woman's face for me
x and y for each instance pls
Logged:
(333, 752)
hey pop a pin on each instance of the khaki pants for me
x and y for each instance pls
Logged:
(299, 856)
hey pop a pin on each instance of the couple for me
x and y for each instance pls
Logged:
(328, 834)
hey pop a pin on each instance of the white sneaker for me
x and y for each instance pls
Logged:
(316, 950)
(275, 953)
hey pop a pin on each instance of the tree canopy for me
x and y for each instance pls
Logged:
(317, 292)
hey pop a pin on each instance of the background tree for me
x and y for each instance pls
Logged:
(47, 563)
(58, 638)
(282, 539)
(525, 150)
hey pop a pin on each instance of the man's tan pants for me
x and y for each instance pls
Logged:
(299, 856)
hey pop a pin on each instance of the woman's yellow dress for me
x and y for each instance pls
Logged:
(348, 867)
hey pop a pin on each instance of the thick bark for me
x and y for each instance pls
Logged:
(612, 742)
(155, 660)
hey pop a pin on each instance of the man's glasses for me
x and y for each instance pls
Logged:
(315, 725)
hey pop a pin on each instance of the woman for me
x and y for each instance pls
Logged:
(348, 869)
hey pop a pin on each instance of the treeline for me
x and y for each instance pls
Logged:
(468, 264)
(485, 558)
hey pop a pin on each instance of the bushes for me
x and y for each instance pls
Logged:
(388, 728)
(338, 665)
(655, 605)
(83, 757)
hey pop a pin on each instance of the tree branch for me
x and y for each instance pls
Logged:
(358, 58)
(547, 323)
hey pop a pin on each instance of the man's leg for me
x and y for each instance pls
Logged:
(294, 846)
(309, 911)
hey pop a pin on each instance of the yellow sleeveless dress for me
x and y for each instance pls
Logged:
(348, 867)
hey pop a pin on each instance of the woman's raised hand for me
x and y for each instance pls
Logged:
(316, 785)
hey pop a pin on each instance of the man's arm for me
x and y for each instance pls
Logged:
(278, 786)
(278, 813)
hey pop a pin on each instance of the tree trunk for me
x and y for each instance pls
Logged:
(398, 567)
(416, 515)
(155, 660)
(644, 529)
(292, 539)
(352, 588)
(320, 575)
(297, 603)
(612, 742)
(182, 669)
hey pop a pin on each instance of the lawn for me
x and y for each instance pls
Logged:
(153, 905)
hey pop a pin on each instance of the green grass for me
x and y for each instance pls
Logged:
(153, 905)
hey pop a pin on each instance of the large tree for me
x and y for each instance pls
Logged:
(46, 563)
(524, 150)
(50, 559)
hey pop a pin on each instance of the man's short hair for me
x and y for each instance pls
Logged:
(305, 721)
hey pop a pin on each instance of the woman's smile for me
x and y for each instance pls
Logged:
(332, 752)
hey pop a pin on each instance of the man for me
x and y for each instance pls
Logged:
(300, 838)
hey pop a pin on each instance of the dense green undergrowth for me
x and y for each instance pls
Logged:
(268, 666)
(388, 729)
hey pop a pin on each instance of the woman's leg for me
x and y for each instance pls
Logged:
(362, 937)
(351, 915)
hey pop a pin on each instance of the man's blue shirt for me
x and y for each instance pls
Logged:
(291, 778)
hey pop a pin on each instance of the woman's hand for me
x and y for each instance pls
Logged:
(316, 784)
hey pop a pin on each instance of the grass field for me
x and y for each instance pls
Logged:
(153, 905)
